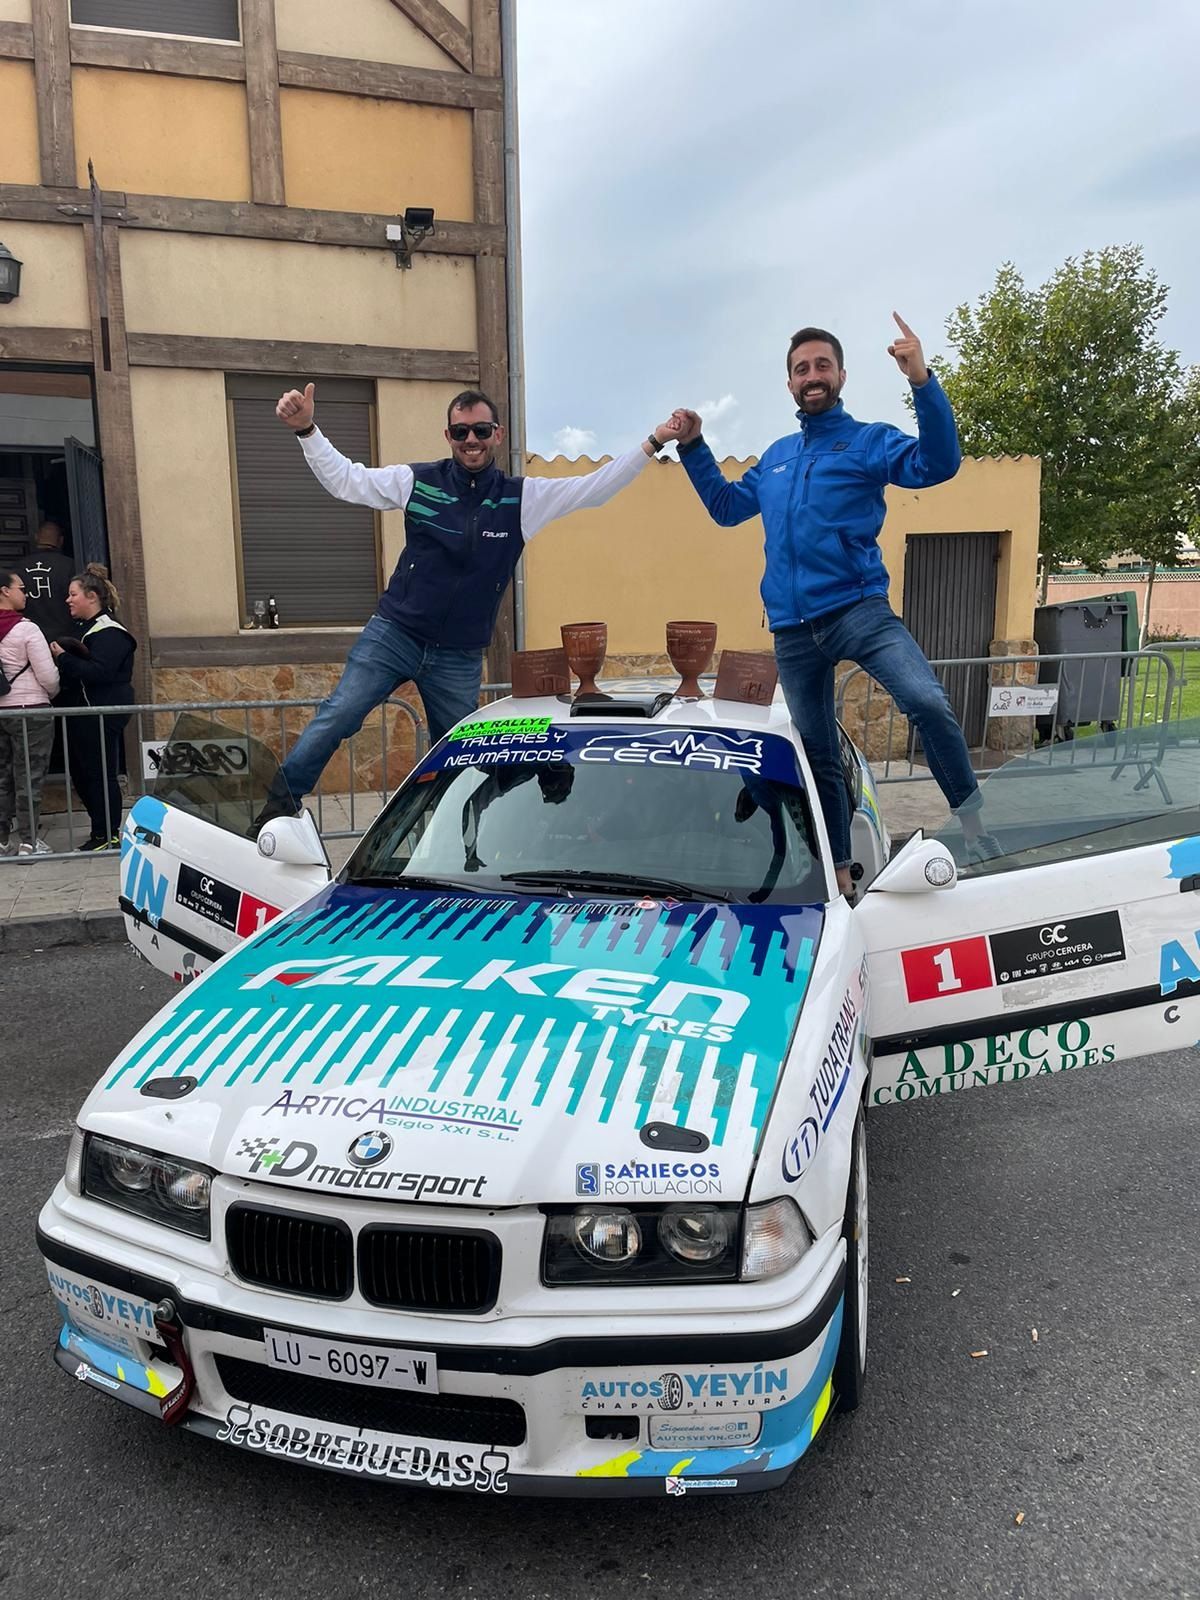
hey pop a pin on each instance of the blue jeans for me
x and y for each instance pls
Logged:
(383, 657)
(872, 635)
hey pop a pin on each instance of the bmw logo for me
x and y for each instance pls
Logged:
(369, 1149)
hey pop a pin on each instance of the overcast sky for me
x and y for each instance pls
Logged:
(701, 177)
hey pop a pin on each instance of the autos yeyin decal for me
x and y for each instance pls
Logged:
(575, 1007)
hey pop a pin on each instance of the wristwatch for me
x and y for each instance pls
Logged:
(655, 444)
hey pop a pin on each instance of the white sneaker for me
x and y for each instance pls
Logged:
(39, 847)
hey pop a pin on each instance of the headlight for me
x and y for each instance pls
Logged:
(152, 1186)
(73, 1176)
(643, 1245)
(775, 1237)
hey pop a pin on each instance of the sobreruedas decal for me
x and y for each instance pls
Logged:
(738, 1389)
(374, 1455)
(979, 1063)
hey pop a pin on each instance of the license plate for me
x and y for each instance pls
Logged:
(374, 1364)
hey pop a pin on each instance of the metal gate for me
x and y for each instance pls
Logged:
(950, 610)
(85, 487)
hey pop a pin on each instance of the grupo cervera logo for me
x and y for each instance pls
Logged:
(712, 749)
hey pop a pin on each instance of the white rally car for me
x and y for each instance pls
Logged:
(529, 1153)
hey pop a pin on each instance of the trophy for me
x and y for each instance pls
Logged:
(690, 646)
(585, 644)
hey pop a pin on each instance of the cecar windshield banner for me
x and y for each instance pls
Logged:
(542, 742)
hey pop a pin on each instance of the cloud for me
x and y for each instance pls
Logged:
(574, 442)
(721, 426)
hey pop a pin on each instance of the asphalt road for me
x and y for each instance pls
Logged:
(1068, 1204)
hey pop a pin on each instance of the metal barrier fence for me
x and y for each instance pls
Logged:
(1081, 705)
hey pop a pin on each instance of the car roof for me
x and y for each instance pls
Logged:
(708, 712)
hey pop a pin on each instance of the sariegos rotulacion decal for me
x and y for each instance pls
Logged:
(486, 1013)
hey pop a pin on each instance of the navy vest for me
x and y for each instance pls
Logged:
(462, 542)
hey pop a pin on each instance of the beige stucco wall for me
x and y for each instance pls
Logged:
(409, 422)
(346, 153)
(153, 134)
(653, 555)
(181, 436)
(19, 162)
(368, 30)
(16, 11)
(53, 279)
(261, 289)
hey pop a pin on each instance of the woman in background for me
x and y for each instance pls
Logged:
(101, 660)
(25, 742)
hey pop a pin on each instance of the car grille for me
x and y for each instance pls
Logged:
(469, 1418)
(290, 1251)
(422, 1269)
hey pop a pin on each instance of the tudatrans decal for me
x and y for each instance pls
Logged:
(739, 1389)
(365, 1451)
(978, 1063)
(621, 1015)
(829, 1084)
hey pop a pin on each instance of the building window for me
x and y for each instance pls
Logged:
(318, 556)
(193, 19)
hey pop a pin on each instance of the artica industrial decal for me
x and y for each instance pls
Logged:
(741, 1389)
(364, 1451)
(978, 1063)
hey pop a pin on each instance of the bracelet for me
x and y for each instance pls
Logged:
(654, 443)
(304, 433)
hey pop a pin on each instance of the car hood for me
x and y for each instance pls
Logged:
(458, 1049)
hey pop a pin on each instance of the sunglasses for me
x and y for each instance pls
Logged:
(460, 432)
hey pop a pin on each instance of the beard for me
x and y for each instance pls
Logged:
(813, 404)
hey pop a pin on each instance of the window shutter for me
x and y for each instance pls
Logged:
(195, 19)
(316, 555)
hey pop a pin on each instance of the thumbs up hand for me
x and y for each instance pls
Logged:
(296, 409)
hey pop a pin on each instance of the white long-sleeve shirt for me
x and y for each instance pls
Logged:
(542, 499)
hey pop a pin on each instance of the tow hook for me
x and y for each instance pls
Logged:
(174, 1406)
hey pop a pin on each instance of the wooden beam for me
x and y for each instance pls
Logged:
(382, 81)
(311, 360)
(134, 52)
(485, 37)
(52, 69)
(262, 102)
(114, 409)
(16, 41)
(45, 344)
(289, 647)
(440, 24)
(240, 219)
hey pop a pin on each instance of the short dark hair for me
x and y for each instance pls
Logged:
(468, 399)
(809, 336)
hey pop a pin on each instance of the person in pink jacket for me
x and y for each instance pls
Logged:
(25, 742)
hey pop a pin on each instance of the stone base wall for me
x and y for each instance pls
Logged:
(204, 685)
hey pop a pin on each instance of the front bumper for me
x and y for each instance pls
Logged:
(621, 1413)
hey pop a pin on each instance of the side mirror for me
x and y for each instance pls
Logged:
(923, 864)
(293, 840)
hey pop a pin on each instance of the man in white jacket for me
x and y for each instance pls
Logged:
(466, 525)
(25, 742)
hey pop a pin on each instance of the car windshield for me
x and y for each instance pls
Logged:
(1090, 796)
(711, 814)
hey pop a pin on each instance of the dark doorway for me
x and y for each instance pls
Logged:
(950, 610)
(49, 468)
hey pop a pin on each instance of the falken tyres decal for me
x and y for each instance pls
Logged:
(589, 1008)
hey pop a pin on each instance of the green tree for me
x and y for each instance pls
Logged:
(1073, 371)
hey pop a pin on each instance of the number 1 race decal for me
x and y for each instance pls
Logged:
(942, 969)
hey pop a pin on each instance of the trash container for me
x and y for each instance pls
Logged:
(1088, 691)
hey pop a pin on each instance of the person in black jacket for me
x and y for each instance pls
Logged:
(100, 659)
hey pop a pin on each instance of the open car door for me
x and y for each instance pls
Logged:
(1080, 944)
(194, 882)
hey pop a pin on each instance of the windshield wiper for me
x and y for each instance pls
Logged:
(573, 878)
(408, 880)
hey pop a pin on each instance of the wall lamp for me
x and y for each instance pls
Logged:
(10, 276)
(410, 232)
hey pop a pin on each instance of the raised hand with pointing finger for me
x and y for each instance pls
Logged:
(907, 353)
(296, 409)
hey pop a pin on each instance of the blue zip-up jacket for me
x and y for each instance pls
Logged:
(820, 495)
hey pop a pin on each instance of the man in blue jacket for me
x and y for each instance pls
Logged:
(820, 495)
